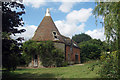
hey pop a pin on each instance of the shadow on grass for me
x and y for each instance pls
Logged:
(36, 75)
(27, 76)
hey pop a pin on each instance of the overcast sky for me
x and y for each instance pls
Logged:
(69, 17)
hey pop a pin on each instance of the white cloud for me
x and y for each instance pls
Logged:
(79, 16)
(34, 3)
(66, 6)
(69, 29)
(74, 24)
(28, 34)
(97, 34)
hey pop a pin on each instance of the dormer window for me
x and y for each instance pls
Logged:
(55, 35)
(74, 44)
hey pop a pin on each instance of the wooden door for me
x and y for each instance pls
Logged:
(35, 60)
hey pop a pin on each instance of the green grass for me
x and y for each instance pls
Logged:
(75, 71)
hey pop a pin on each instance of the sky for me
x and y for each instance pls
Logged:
(70, 18)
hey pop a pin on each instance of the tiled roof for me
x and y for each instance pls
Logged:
(69, 41)
(45, 31)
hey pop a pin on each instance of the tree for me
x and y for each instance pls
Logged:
(110, 11)
(90, 50)
(11, 20)
(81, 37)
(102, 45)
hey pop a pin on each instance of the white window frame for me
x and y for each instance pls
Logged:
(55, 35)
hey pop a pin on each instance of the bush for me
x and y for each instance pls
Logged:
(49, 55)
(89, 51)
(65, 63)
(109, 65)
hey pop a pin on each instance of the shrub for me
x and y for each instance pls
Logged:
(89, 51)
(109, 65)
(65, 63)
(49, 55)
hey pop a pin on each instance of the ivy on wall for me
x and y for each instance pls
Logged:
(49, 55)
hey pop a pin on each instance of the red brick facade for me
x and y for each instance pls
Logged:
(71, 54)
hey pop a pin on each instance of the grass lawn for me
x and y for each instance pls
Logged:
(74, 71)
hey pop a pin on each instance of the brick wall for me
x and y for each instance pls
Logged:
(76, 51)
(70, 56)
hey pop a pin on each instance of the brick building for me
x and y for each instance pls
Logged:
(47, 30)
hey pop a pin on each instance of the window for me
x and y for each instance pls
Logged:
(68, 56)
(76, 58)
(71, 48)
(55, 35)
(74, 44)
